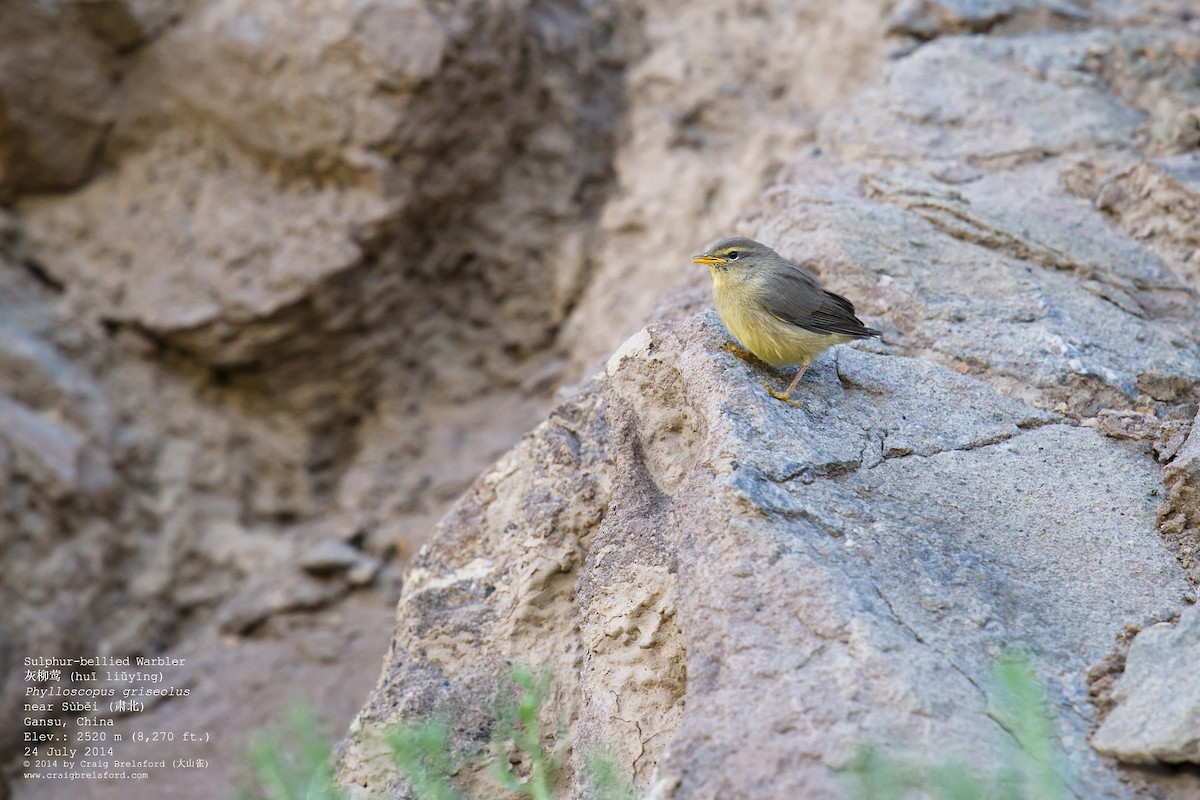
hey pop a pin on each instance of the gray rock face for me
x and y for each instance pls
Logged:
(736, 594)
(277, 278)
(928, 19)
(1157, 701)
(276, 283)
(280, 278)
(322, 272)
(1157, 713)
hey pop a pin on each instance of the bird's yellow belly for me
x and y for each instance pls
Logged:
(774, 341)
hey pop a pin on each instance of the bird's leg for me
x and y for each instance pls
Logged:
(796, 380)
(787, 393)
(742, 353)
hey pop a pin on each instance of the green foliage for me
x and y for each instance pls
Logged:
(1016, 703)
(606, 780)
(422, 751)
(294, 764)
(1029, 772)
(291, 764)
(517, 737)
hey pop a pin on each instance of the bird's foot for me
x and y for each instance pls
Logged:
(781, 396)
(743, 354)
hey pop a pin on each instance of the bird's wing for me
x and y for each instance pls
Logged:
(794, 295)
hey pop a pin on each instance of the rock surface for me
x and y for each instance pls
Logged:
(275, 281)
(276, 284)
(735, 594)
(701, 566)
(1157, 713)
(1158, 702)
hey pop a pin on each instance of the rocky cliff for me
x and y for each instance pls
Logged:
(278, 281)
(275, 284)
(734, 594)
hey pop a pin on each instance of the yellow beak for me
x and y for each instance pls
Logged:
(707, 259)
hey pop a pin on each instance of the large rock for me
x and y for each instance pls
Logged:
(371, 162)
(280, 282)
(320, 268)
(1157, 713)
(56, 97)
(315, 267)
(1158, 701)
(736, 594)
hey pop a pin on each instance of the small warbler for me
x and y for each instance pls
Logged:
(778, 310)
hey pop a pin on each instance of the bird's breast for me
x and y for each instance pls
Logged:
(740, 306)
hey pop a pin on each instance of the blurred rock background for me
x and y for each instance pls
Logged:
(277, 281)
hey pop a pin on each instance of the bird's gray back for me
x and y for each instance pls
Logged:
(793, 294)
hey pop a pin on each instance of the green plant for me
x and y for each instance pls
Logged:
(1031, 771)
(517, 736)
(423, 750)
(294, 763)
(606, 780)
(423, 754)
(291, 763)
(1017, 705)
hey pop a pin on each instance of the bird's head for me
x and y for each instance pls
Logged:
(735, 254)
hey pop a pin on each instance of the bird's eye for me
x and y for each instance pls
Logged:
(732, 255)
